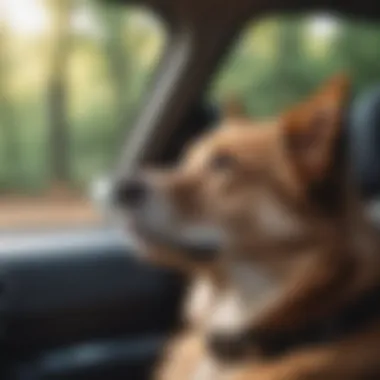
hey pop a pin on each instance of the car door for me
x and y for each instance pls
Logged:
(77, 304)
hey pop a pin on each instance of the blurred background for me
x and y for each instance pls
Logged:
(74, 72)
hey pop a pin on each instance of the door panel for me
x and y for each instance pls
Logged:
(82, 291)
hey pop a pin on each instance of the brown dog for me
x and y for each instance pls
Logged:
(298, 277)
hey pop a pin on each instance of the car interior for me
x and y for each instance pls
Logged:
(79, 304)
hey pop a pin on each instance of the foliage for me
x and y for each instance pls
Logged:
(112, 53)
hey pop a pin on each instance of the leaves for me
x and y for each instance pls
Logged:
(113, 52)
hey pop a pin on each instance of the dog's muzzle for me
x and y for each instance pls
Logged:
(152, 220)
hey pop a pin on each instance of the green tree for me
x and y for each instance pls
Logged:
(288, 75)
(119, 64)
(10, 140)
(357, 52)
(60, 11)
(269, 69)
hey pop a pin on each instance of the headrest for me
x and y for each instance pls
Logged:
(364, 140)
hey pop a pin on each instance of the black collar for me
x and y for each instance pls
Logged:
(355, 316)
(350, 319)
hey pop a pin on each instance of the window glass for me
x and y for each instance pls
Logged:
(281, 59)
(72, 74)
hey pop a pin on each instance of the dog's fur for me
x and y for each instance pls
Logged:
(295, 245)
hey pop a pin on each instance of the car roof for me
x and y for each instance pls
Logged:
(201, 10)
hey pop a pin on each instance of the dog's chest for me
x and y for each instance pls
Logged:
(252, 291)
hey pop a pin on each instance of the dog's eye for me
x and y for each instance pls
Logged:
(222, 162)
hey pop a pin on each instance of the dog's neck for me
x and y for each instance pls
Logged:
(261, 314)
(347, 263)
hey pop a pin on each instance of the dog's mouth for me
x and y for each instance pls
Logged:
(200, 247)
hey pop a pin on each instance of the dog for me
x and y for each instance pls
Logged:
(297, 276)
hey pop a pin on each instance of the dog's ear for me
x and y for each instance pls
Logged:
(312, 129)
(233, 107)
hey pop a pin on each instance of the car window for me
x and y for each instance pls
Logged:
(71, 76)
(280, 59)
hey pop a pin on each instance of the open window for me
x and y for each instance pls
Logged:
(278, 60)
(72, 75)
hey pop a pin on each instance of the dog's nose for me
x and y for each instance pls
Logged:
(131, 192)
